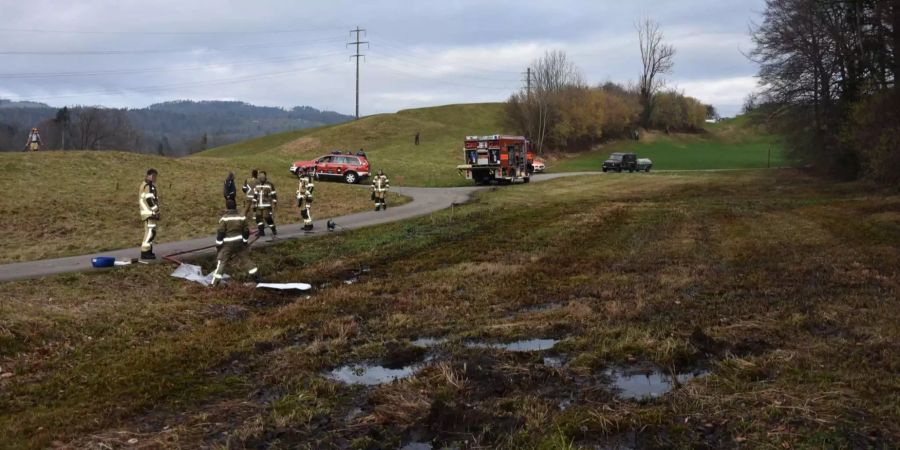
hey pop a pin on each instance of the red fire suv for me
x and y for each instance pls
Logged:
(349, 168)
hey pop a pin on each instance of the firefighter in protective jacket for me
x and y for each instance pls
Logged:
(305, 197)
(265, 199)
(380, 186)
(249, 189)
(34, 142)
(232, 243)
(149, 203)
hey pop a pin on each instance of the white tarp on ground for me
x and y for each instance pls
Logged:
(194, 273)
(285, 286)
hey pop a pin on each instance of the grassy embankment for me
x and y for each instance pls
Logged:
(730, 144)
(71, 203)
(783, 287)
(77, 202)
(387, 140)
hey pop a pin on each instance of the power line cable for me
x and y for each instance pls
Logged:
(38, 75)
(438, 80)
(146, 51)
(164, 33)
(433, 70)
(428, 53)
(153, 88)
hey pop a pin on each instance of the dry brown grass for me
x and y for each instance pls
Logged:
(71, 203)
(709, 271)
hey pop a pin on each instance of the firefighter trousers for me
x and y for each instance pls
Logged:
(378, 197)
(305, 205)
(237, 254)
(149, 235)
(265, 217)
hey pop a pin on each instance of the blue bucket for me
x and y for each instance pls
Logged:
(103, 261)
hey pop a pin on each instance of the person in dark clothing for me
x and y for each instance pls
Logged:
(361, 152)
(417, 138)
(229, 190)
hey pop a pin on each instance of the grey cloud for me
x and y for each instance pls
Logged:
(422, 53)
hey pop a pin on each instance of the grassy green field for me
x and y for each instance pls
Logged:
(78, 202)
(783, 287)
(731, 144)
(387, 140)
(71, 203)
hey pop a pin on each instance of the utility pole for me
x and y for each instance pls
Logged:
(357, 55)
(528, 82)
(528, 75)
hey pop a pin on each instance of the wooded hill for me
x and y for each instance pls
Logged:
(175, 128)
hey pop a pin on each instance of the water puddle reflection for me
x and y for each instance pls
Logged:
(646, 384)
(529, 345)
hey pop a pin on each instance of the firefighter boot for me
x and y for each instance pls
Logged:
(261, 231)
(148, 255)
(274, 233)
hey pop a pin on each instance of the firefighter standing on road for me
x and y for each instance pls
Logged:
(34, 142)
(232, 243)
(380, 186)
(305, 197)
(266, 200)
(149, 203)
(249, 189)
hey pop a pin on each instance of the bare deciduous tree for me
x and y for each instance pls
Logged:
(537, 111)
(99, 129)
(657, 59)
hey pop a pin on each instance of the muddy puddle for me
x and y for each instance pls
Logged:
(646, 383)
(536, 309)
(554, 362)
(348, 278)
(428, 342)
(528, 345)
(417, 446)
(370, 374)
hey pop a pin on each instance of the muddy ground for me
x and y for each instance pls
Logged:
(739, 310)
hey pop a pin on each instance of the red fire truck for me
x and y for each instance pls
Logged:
(498, 157)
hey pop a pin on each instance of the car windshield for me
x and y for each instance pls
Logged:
(324, 159)
(616, 156)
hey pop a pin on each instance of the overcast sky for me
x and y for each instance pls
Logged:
(129, 53)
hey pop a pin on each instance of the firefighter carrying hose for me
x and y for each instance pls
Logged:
(232, 243)
(34, 142)
(266, 199)
(380, 186)
(149, 204)
(305, 197)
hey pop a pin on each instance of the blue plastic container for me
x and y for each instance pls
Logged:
(103, 261)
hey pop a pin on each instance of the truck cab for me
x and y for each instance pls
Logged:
(499, 158)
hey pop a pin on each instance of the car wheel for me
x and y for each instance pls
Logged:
(527, 179)
(619, 170)
(604, 170)
(351, 178)
(648, 170)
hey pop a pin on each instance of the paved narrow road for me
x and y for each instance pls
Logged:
(424, 201)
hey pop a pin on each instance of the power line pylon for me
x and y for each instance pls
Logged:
(357, 55)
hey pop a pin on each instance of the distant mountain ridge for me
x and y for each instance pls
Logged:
(175, 128)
